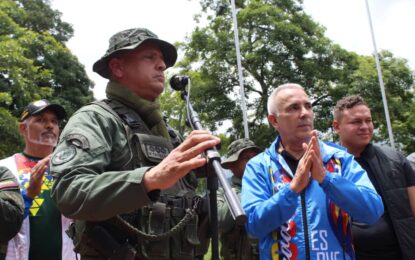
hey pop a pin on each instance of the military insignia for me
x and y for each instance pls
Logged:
(154, 148)
(157, 152)
(64, 156)
(78, 140)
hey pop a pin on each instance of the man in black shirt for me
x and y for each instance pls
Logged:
(393, 236)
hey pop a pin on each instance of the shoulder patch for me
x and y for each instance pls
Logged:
(64, 155)
(78, 140)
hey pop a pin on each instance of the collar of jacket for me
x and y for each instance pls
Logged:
(149, 111)
(368, 152)
(327, 151)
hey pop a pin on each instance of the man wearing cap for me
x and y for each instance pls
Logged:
(11, 208)
(42, 235)
(121, 171)
(300, 194)
(235, 243)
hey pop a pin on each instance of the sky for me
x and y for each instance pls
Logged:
(346, 23)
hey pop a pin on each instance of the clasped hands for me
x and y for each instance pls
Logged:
(310, 165)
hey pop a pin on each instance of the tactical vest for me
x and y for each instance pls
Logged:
(168, 228)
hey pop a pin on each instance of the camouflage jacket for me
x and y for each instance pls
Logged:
(99, 170)
(235, 242)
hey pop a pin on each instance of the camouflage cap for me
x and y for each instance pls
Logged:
(39, 106)
(236, 148)
(129, 40)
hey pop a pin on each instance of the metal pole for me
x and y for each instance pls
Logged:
(241, 78)
(382, 87)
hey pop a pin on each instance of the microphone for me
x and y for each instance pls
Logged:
(179, 82)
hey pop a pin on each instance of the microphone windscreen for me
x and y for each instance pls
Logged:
(179, 82)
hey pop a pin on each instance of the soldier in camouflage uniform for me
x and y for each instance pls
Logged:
(235, 243)
(121, 171)
(11, 208)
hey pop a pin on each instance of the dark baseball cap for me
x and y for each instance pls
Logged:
(236, 148)
(39, 106)
(129, 40)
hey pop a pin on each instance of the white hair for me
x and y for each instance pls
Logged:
(271, 104)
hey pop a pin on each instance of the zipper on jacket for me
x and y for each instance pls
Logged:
(305, 226)
(344, 250)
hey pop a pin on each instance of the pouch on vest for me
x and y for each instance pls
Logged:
(155, 220)
(183, 244)
(152, 149)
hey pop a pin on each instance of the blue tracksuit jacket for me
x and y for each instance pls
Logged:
(315, 222)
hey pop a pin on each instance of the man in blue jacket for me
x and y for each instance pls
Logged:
(300, 194)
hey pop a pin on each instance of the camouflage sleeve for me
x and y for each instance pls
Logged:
(225, 219)
(11, 205)
(87, 184)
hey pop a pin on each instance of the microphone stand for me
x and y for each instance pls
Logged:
(212, 183)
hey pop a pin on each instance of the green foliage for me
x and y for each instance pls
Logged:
(173, 108)
(399, 82)
(280, 43)
(9, 134)
(35, 63)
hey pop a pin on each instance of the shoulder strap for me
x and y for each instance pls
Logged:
(131, 122)
(125, 115)
(175, 137)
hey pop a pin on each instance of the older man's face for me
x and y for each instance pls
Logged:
(294, 121)
(41, 129)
